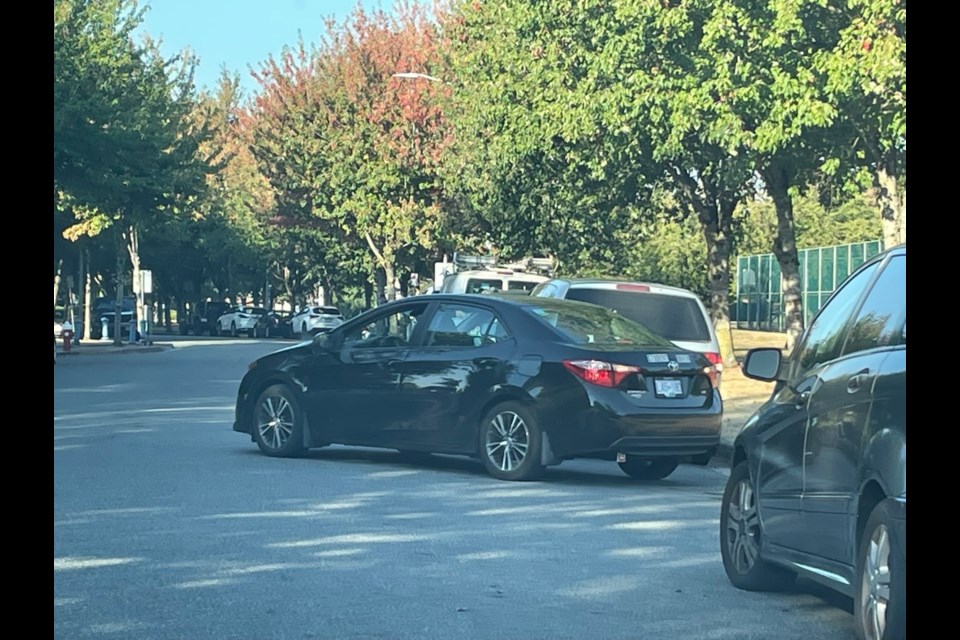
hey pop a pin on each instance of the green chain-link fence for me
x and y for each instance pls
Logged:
(759, 300)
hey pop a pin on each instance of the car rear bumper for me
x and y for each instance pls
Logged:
(614, 426)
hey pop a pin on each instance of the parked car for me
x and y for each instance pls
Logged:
(522, 383)
(818, 485)
(316, 320)
(674, 313)
(202, 318)
(106, 309)
(274, 324)
(239, 320)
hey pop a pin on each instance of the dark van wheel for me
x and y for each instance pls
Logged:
(741, 538)
(880, 596)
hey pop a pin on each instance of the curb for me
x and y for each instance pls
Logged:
(111, 350)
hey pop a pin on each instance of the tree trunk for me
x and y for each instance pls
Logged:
(893, 208)
(367, 294)
(715, 222)
(133, 248)
(56, 282)
(380, 279)
(390, 291)
(785, 248)
(118, 307)
(87, 300)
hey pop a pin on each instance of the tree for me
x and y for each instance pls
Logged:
(125, 148)
(867, 78)
(350, 150)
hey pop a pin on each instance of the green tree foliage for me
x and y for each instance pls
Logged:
(866, 75)
(125, 147)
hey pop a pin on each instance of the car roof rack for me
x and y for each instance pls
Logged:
(544, 266)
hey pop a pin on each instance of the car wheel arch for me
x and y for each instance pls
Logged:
(871, 494)
(509, 394)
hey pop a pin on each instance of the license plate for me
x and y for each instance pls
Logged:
(668, 387)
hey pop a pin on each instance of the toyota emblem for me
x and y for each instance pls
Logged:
(673, 366)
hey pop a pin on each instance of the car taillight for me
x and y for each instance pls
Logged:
(598, 372)
(715, 360)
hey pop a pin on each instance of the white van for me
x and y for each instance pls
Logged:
(484, 281)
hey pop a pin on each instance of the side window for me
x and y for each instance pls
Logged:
(548, 291)
(456, 325)
(390, 330)
(823, 339)
(878, 321)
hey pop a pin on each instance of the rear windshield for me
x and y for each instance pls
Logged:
(482, 285)
(582, 324)
(673, 317)
(329, 311)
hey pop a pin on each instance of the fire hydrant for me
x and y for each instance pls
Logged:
(67, 334)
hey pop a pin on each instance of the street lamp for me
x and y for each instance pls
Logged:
(409, 75)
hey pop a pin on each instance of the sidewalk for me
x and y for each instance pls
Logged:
(106, 347)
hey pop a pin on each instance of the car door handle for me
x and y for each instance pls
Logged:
(853, 385)
(485, 362)
(394, 364)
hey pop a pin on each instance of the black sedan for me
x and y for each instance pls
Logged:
(522, 383)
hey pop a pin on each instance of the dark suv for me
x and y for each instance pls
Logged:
(203, 318)
(818, 485)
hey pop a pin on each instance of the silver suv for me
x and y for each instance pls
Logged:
(676, 314)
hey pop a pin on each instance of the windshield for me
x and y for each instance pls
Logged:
(587, 324)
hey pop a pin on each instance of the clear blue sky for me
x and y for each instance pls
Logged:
(239, 34)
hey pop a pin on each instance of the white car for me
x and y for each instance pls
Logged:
(316, 320)
(674, 313)
(239, 320)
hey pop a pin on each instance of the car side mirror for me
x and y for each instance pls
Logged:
(763, 364)
(325, 342)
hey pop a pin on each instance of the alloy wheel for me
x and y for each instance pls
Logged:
(875, 584)
(507, 442)
(275, 421)
(743, 528)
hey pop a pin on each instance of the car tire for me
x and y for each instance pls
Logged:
(649, 468)
(510, 442)
(304, 333)
(214, 329)
(741, 538)
(881, 567)
(278, 422)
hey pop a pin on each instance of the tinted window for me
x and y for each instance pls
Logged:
(673, 317)
(583, 324)
(879, 319)
(824, 337)
(330, 311)
(479, 285)
(520, 285)
(464, 326)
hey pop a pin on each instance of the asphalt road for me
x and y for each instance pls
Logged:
(167, 524)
